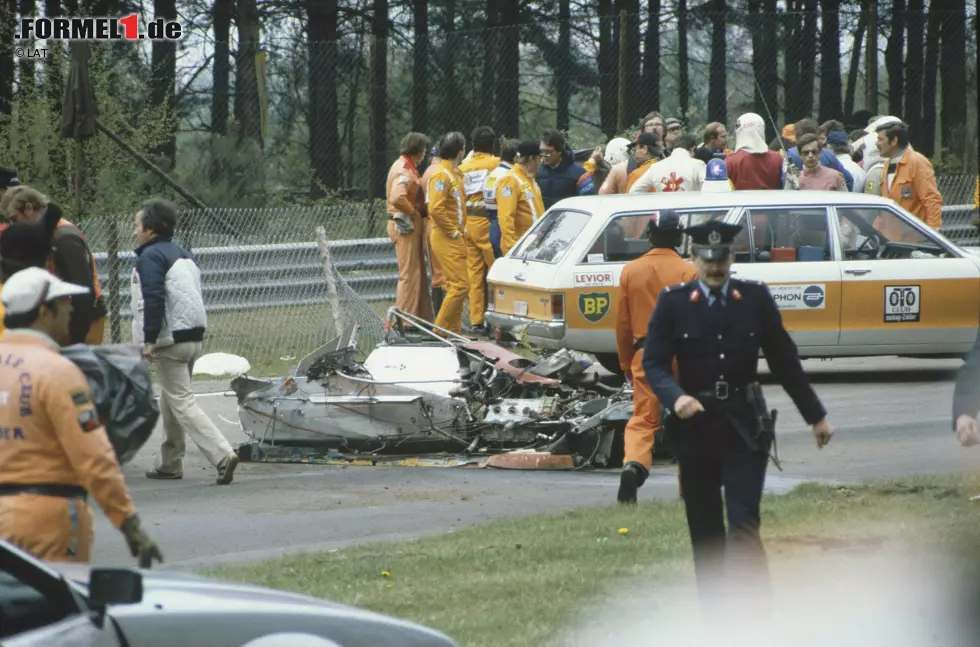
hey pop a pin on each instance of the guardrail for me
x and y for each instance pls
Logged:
(252, 277)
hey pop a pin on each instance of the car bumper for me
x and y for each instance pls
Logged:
(540, 333)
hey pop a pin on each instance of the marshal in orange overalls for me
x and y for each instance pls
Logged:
(53, 451)
(641, 282)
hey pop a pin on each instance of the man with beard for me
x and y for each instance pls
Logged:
(714, 328)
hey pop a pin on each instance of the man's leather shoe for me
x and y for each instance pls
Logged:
(629, 483)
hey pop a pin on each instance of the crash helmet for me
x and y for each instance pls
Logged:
(617, 150)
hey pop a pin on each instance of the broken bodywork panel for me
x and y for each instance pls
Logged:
(436, 394)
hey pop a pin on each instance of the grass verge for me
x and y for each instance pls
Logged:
(517, 582)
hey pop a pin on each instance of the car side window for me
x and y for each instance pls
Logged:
(23, 608)
(788, 235)
(551, 236)
(877, 233)
(623, 239)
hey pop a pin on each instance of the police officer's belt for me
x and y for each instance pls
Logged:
(44, 489)
(722, 391)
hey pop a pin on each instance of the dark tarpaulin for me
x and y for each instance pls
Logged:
(79, 110)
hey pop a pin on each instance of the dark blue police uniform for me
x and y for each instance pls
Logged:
(715, 337)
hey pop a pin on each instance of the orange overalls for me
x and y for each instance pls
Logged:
(437, 278)
(640, 284)
(479, 251)
(96, 329)
(404, 196)
(519, 205)
(53, 450)
(446, 197)
(914, 189)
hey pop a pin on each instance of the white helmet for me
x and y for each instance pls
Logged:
(616, 150)
(870, 141)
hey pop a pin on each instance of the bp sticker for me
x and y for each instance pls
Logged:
(902, 303)
(594, 305)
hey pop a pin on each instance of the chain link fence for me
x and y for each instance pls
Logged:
(265, 281)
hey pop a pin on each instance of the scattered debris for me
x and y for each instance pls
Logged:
(437, 397)
(221, 364)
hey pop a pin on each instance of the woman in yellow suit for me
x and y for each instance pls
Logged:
(446, 198)
(519, 201)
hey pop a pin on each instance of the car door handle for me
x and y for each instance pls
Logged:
(519, 277)
(857, 272)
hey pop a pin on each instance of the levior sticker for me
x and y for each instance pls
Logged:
(902, 303)
(593, 279)
(799, 297)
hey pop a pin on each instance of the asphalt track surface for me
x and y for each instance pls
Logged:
(891, 417)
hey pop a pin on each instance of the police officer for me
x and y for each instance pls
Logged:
(641, 282)
(53, 449)
(715, 326)
(966, 400)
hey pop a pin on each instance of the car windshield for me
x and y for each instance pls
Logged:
(550, 238)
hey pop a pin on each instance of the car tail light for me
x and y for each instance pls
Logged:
(557, 306)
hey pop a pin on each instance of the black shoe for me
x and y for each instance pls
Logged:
(629, 483)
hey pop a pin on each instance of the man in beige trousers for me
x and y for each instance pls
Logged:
(169, 322)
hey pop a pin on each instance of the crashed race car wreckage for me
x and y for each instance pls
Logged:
(425, 391)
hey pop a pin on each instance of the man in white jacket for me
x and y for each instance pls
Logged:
(679, 172)
(169, 322)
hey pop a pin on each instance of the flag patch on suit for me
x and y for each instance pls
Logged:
(80, 398)
(88, 420)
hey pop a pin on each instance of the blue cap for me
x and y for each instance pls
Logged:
(716, 170)
(838, 137)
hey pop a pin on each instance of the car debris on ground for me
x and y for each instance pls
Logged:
(425, 396)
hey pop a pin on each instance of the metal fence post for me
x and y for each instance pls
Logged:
(113, 288)
(321, 241)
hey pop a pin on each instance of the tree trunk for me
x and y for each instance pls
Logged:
(765, 62)
(451, 116)
(633, 107)
(163, 76)
(871, 59)
(650, 95)
(830, 81)
(894, 63)
(508, 72)
(952, 67)
(718, 75)
(8, 18)
(28, 68)
(913, 71)
(247, 110)
(854, 66)
(807, 56)
(563, 82)
(608, 68)
(221, 12)
(792, 54)
(420, 66)
(487, 103)
(933, 23)
(378, 100)
(322, 114)
(683, 89)
(53, 74)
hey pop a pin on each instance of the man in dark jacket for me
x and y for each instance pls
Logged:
(559, 175)
(169, 322)
(966, 400)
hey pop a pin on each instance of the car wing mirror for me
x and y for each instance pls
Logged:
(108, 586)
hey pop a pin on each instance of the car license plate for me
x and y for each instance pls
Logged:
(520, 308)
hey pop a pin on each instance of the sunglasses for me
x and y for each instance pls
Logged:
(810, 152)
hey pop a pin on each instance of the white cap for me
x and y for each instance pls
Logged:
(617, 150)
(881, 121)
(27, 289)
(750, 133)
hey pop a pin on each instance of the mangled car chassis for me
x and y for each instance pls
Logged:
(424, 391)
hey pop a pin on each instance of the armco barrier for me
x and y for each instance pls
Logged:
(265, 276)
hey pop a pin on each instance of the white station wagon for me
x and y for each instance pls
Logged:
(853, 274)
